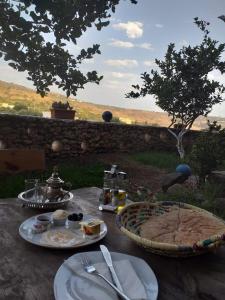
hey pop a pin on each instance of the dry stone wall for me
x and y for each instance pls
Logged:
(65, 138)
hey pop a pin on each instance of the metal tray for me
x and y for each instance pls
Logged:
(26, 202)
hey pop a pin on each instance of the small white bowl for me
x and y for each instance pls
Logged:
(43, 220)
(74, 224)
(39, 228)
(59, 222)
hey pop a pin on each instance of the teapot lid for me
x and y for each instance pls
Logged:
(55, 180)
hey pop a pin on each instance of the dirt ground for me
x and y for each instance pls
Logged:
(138, 173)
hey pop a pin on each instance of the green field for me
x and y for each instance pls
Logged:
(77, 175)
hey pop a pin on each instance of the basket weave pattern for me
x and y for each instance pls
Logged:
(134, 215)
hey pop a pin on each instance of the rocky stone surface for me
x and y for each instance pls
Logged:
(176, 188)
(171, 179)
(192, 182)
(218, 178)
(82, 137)
(219, 204)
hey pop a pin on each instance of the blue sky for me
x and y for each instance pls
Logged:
(136, 36)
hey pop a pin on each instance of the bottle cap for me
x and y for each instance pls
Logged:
(114, 169)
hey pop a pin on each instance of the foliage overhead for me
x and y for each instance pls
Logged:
(182, 88)
(213, 126)
(61, 105)
(222, 17)
(34, 35)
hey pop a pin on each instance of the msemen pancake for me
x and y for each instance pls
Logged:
(181, 226)
(61, 238)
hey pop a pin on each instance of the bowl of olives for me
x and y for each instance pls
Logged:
(73, 220)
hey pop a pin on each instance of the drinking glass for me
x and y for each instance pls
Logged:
(30, 188)
(30, 184)
(41, 192)
(36, 190)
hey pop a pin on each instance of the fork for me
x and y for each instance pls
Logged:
(89, 268)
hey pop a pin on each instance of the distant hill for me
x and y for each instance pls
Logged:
(12, 94)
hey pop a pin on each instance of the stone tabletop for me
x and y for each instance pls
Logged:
(27, 271)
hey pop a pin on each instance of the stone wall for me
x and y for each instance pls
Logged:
(65, 138)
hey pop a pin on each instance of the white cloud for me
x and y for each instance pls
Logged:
(112, 84)
(118, 81)
(113, 19)
(133, 29)
(147, 46)
(217, 76)
(88, 61)
(150, 63)
(222, 56)
(158, 25)
(184, 43)
(120, 75)
(73, 49)
(121, 44)
(122, 62)
(124, 44)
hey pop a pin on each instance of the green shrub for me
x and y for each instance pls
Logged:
(78, 175)
(203, 197)
(117, 120)
(180, 195)
(162, 160)
(207, 153)
(20, 106)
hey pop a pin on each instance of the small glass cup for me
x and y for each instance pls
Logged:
(35, 190)
(41, 192)
(30, 184)
(30, 189)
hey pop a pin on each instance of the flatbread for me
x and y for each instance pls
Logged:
(61, 238)
(181, 226)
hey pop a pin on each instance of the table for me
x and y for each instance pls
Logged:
(27, 271)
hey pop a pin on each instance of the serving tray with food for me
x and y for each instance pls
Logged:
(62, 229)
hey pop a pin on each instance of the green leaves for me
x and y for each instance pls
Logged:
(207, 152)
(182, 87)
(25, 26)
(222, 17)
(202, 25)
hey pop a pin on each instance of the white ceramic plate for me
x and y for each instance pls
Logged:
(66, 281)
(25, 231)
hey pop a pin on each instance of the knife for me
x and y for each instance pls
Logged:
(108, 259)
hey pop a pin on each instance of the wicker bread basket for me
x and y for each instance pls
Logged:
(130, 219)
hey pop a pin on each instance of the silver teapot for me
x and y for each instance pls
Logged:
(54, 187)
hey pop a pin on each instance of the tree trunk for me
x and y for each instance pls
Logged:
(179, 138)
